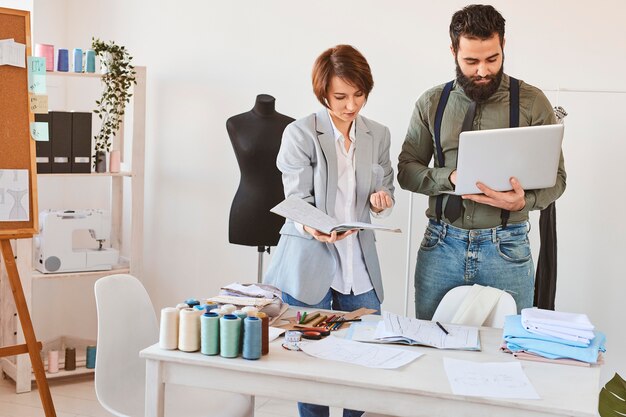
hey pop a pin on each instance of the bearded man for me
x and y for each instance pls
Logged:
(480, 238)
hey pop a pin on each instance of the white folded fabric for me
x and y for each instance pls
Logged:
(560, 335)
(538, 317)
(560, 331)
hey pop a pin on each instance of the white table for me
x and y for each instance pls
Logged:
(419, 389)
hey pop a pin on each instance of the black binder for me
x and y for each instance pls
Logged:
(61, 141)
(43, 149)
(81, 142)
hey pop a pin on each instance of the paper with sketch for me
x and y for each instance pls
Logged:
(398, 329)
(491, 379)
(14, 200)
(12, 53)
(298, 210)
(373, 356)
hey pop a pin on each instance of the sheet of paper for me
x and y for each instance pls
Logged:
(395, 327)
(36, 75)
(12, 53)
(14, 201)
(491, 379)
(372, 356)
(38, 103)
(274, 332)
(39, 131)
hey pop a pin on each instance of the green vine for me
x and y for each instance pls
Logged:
(116, 93)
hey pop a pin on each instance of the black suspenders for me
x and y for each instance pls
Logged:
(513, 122)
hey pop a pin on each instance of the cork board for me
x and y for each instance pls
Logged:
(17, 149)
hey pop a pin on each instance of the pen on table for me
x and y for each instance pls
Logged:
(442, 328)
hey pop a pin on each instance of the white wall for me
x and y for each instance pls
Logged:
(208, 60)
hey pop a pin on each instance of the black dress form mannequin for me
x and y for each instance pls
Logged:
(256, 137)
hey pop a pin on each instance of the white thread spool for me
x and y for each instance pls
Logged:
(180, 306)
(189, 330)
(228, 308)
(168, 333)
(250, 310)
(53, 361)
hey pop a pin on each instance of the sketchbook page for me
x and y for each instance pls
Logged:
(372, 356)
(427, 333)
(490, 379)
(298, 210)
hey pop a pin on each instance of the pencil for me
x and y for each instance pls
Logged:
(302, 318)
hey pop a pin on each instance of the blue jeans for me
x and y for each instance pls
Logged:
(449, 257)
(334, 300)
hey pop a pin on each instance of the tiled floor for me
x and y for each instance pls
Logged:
(76, 397)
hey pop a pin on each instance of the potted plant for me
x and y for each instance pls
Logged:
(117, 81)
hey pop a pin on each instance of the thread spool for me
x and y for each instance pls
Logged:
(250, 310)
(209, 306)
(90, 61)
(180, 306)
(62, 60)
(90, 363)
(115, 161)
(70, 359)
(265, 332)
(228, 308)
(168, 330)
(77, 60)
(210, 334)
(242, 315)
(217, 311)
(192, 302)
(189, 330)
(251, 338)
(46, 51)
(53, 361)
(230, 334)
(199, 308)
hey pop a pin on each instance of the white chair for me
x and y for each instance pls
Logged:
(127, 323)
(450, 303)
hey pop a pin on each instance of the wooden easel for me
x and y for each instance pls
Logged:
(18, 153)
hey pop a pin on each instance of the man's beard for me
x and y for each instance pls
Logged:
(479, 92)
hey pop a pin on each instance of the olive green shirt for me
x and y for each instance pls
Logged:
(418, 148)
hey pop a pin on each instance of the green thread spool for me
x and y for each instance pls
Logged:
(230, 335)
(210, 334)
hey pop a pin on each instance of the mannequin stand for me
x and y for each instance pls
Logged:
(261, 250)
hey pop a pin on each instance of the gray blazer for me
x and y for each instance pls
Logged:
(302, 266)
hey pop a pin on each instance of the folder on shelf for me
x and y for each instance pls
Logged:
(81, 142)
(61, 141)
(43, 149)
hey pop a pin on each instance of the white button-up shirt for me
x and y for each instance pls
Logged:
(351, 274)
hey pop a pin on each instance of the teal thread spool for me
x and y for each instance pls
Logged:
(252, 338)
(210, 334)
(242, 315)
(91, 357)
(90, 61)
(230, 335)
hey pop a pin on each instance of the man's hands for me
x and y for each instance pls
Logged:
(331, 238)
(380, 201)
(508, 200)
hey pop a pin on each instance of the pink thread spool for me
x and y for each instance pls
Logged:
(46, 51)
(53, 361)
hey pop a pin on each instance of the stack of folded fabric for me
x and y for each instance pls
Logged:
(553, 335)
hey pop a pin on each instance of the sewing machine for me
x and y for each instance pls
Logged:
(59, 247)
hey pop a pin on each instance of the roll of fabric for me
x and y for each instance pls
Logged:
(210, 334)
(63, 60)
(189, 330)
(168, 331)
(90, 363)
(70, 359)
(265, 332)
(251, 338)
(230, 335)
(53, 361)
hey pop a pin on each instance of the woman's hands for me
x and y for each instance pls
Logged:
(331, 238)
(380, 201)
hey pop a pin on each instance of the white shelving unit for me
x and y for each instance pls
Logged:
(126, 236)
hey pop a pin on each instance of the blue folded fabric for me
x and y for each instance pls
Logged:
(517, 339)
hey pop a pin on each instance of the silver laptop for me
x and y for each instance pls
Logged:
(531, 154)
